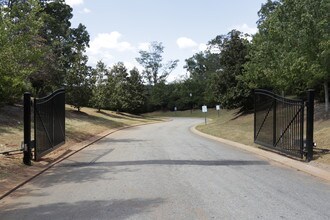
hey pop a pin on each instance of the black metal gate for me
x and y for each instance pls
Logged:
(49, 122)
(279, 124)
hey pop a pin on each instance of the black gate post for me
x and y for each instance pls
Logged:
(27, 129)
(254, 117)
(310, 124)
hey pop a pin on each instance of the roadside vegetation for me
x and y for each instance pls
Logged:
(288, 55)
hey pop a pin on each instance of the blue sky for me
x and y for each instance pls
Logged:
(120, 28)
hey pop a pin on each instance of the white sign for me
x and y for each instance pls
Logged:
(204, 108)
(175, 109)
(217, 107)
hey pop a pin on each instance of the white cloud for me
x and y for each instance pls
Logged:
(144, 46)
(86, 11)
(202, 47)
(245, 29)
(131, 64)
(104, 41)
(74, 2)
(184, 42)
(106, 46)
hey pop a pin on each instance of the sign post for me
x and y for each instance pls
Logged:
(217, 107)
(204, 110)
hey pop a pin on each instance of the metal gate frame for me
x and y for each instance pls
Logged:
(284, 119)
(49, 124)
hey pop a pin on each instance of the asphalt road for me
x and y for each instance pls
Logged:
(163, 171)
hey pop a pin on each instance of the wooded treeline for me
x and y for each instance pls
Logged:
(40, 52)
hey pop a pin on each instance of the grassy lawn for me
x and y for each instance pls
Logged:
(239, 128)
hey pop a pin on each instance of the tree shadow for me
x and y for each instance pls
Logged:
(241, 112)
(115, 115)
(122, 115)
(73, 113)
(96, 120)
(130, 115)
(75, 173)
(94, 209)
(170, 162)
(71, 171)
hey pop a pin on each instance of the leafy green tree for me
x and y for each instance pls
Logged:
(38, 46)
(225, 84)
(118, 85)
(80, 83)
(21, 47)
(154, 70)
(215, 73)
(202, 66)
(52, 38)
(135, 92)
(290, 53)
(99, 99)
(79, 78)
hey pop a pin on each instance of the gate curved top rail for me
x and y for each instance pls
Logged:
(50, 96)
(277, 97)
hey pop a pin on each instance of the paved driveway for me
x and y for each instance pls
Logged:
(163, 171)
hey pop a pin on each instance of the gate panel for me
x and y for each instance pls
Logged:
(264, 120)
(279, 123)
(49, 122)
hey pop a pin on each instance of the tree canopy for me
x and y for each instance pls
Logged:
(41, 51)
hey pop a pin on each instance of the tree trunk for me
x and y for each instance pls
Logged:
(326, 96)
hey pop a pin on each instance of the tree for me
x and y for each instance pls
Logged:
(154, 70)
(99, 98)
(290, 53)
(136, 92)
(117, 81)
(21, 47)
(79, 83)
(38, 46)
(202, 66)
(79, 78)
(215, 73)
(225, 84)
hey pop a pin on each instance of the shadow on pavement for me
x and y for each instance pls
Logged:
(171, 162)
(97, 209)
